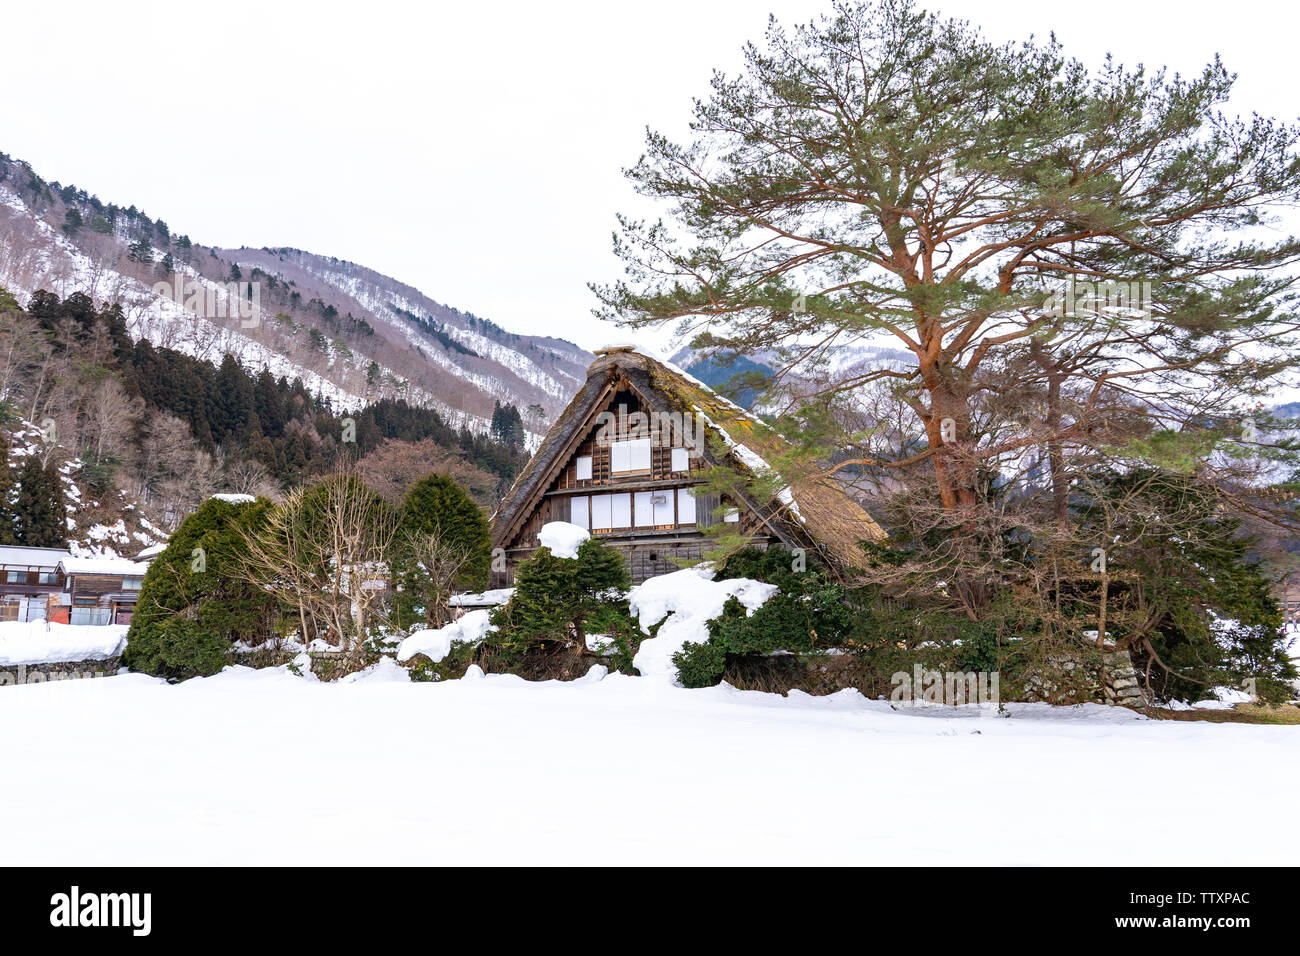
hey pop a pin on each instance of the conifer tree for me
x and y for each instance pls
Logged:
(230, 401)
(41, 509)
(444, 546)
(8, 489)
(1179, 590)
(507, 426)
(140, 251)
(196, 601)
(554, 597)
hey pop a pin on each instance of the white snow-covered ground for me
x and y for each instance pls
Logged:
(266, 767)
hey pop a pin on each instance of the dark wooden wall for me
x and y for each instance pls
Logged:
(97, 586)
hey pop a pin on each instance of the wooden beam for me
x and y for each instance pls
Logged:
(647, 485)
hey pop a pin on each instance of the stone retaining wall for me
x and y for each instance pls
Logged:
(1072, 678)
(331, 665)
(57, 670)
(1121, 680)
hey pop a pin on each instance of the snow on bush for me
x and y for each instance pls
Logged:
(685, 601)
(36, 642)
(383, 671)
(492, 596)
(435, 643)
(563, 539)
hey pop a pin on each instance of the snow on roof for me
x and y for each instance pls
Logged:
(104, 565)
(152, 551)
(31, 557)
(755, 463)
(749, 458)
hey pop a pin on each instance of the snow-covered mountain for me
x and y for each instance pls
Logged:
(350, 333)
(839, 363)
(478, 354)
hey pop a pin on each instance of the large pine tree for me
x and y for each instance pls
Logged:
(1050, 258)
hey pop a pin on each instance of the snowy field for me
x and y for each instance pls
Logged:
(267, 767)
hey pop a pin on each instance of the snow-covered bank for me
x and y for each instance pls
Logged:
(37, 642)
(435, 643)
(264, 767)
(684, 601)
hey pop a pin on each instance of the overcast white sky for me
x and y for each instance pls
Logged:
(473, 150)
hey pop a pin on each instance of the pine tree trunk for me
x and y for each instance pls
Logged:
(1055, 451)
(955, 474)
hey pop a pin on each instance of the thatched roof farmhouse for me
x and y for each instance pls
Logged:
(625, 460)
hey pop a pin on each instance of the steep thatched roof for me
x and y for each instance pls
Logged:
(813, 509)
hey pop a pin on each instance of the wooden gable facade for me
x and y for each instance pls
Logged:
(625, 460)
(627, 488)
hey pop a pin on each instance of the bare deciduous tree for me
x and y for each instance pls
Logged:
(325, 553)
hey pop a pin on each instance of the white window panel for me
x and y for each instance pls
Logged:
(681, 459)
(644, 510)
(584, 468)
(578, 512)
(629, 455)
(602, 511)
(685, 506)
(663, 505)
(619, 459)
(622, 511)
